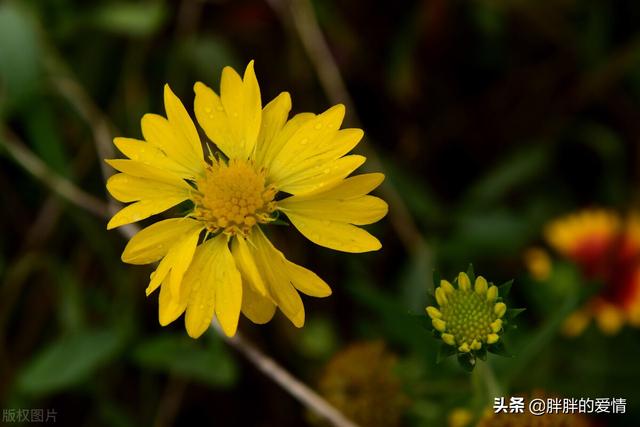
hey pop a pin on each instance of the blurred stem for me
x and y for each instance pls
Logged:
(312, 400)
(301, 13)
(170, 401)
(62, 186)
(484, 378)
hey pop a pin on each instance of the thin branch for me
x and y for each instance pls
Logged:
(101, 129)
(301, 13)
(277, 373)
(36, 167)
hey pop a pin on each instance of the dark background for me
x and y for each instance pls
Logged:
(489, 118)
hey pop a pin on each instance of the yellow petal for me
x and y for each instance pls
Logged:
(500, 309)
(149, 154)
(307, 281)
(242, 103)
(160, 132)
(128, 188)
(441, 297)
(231, 121)
(273, 148)
(170, 307)
(318, 154)
(152, 243)
(434, 313)
(448, 339)
(274, 117)
(447, 287)
(255, 307)
(439, 324)
(175, 262)
(142, 170)
(481, 285)
(576, 323)
(335, 235)
(492, 293)
(609, 318)
(321, 177)
(228, 286)
(182, 123)
(141, 210)
(247, 265)
(306, 141)
(358, 211)
(212, 117)
(349, 188)
(200, 279)
(272, 264)
(463, 282)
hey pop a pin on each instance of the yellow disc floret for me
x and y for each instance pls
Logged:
(233, 197)
(469, 316)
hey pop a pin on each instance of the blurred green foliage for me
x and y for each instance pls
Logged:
(491, 117)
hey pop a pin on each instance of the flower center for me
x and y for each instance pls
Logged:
(233, 197)
(468, 316)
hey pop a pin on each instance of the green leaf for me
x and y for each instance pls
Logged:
(318, 338)
(137, 19)
(515, 170)
(68, 361)
(182, 356)
(19, 57)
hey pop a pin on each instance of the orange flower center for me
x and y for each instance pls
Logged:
(233, 197)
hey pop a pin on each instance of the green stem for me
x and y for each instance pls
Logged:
(485, 384)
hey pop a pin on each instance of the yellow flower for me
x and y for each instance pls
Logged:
(468, 317)
(216, 259)
(361, 382)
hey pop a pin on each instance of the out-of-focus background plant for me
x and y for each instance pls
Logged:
(490, 118)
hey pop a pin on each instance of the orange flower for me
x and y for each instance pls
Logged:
(607, 248)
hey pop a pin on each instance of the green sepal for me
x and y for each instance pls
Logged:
(423, 320)
(482, 353)
(505, 288)
(277, 219)
(436, 280)
(445, 351)
(512, 313)
(471, 273)
(467, 361)
(499, 349)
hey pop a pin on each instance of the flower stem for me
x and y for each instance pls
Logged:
(284, 379)
(485, 384)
